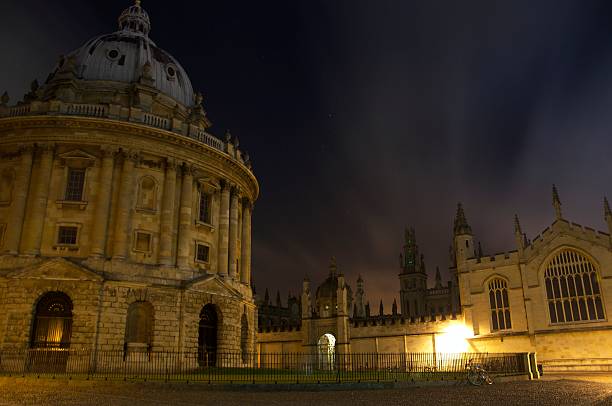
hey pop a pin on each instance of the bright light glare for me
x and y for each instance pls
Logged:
(454, 339)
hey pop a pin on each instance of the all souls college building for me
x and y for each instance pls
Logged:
(550, 296)
(126, 225)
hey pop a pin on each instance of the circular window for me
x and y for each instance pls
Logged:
(171, 71)
(112, 54)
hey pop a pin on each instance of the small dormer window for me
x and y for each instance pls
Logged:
(171, 72)
(113, 54)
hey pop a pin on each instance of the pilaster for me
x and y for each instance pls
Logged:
(224, 220)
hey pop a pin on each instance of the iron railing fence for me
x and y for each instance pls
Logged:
(238, 367)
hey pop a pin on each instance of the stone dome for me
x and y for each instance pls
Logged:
(129, 54)
(327, 292)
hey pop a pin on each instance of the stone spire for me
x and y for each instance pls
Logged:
(381, 310)
(608, 216)
(556, 203)
(438, 278)
(394, 308)
(461, 224)
(479, 253)
(409, 255)
(332, 267)
(521, 242)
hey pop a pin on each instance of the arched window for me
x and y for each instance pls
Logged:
(139, 325)
(52, 321)
(7, 179)
(572, 288)
(207, 336)
(244, 338)
(500, 307)
(147, 194)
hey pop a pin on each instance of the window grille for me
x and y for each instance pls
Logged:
(205, 203)
(572, 289)
(500, 307)
(74, 185)
(67, 235)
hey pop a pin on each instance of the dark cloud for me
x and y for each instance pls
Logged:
(363, 117)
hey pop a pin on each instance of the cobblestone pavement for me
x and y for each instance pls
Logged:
(29, 391)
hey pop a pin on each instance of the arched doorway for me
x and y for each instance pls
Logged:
(327, 352)
(207, 336)
(52, 321)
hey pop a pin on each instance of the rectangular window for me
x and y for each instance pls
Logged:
(67, 235)
(205, 209)
(143, 242)
(202, 251)
(74, 184)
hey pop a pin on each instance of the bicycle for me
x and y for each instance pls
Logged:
(476, 374)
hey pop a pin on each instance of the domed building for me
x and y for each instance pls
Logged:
(125, 224)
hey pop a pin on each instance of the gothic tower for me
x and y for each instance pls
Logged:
(413, 278)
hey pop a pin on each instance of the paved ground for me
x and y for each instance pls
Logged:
(30, 391)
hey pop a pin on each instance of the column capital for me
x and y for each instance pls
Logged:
(130, 155)
(46, 147)
(226, 185)
(170, 164)
(108, 151)
(188, 169)
(246, 203)
(26, 149)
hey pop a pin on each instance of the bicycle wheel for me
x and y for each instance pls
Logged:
(474, 378)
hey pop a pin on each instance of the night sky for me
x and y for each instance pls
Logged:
(362, 117)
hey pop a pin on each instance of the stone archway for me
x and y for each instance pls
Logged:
(207, 336)
(327, 351)
(52, 321)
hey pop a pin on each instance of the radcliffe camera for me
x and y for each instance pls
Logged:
(305, 203)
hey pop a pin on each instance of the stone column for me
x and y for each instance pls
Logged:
(122, 238)
(184, 242)
(233, 233)
(35, 221)
(245, 251)
(101, 217)
(167, 215)
(223, 229)
(20, 198)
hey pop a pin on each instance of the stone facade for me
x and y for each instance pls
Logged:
(549, 297)
(113, 192)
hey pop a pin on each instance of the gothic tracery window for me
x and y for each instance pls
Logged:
(500, 307)
(572, 288)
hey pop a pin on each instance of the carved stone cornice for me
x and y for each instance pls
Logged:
(126, 133)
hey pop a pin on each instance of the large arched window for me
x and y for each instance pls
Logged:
(572, 288)
(139, 325)
(207, 336)
(52, 321)
(244, 338)
(500, 307)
